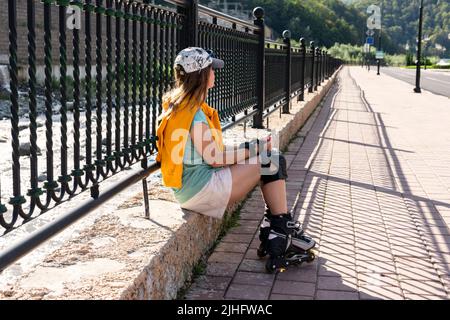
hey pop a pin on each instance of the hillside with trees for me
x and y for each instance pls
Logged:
(344, 21)
(324, 21)
(400, 21)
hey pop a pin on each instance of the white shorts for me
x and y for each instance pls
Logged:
(212, 199)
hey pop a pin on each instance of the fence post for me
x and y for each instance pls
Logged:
(317, 82)
(332, 67)
(330, 59)
(319, 67)
(326, 65)
(258, 13)
(287, 41)
(191, 35)
(324, 57)
(313, 53)
(301, 97)
(18, 199)
(316, 68)
(323, 65)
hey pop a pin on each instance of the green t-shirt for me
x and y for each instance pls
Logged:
(196, 172)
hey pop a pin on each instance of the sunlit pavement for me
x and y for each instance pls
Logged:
(373, 180)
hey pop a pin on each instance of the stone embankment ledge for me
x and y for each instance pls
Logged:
(120, 254)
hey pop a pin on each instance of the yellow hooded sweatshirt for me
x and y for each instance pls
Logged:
(170, 137)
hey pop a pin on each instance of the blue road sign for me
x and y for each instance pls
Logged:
(370, 40)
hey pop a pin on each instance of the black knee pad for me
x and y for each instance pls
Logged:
(280, 174)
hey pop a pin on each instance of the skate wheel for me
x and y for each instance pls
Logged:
(261, 253)
(270, 268)
(311, 257)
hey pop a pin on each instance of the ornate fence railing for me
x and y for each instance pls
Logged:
(105, 65)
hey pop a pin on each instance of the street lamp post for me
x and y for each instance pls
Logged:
(379, 49)
(425, 43)
(379, 40)
(425, 55)
(419, 50)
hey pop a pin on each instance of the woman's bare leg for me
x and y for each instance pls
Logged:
(247, 176)
(275, 196)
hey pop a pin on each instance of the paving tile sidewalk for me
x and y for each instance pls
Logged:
(372, 184)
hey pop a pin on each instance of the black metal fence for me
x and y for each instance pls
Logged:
(101, 116)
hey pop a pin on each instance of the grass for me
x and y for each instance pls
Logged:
(295, 136)
(199, 268)
(428, 67)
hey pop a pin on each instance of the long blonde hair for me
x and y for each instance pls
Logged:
(189, 87)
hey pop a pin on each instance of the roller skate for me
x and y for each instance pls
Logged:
(264, 232)
(285, 242)
(303, 241)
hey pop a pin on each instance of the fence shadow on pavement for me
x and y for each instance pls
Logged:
(311, 203)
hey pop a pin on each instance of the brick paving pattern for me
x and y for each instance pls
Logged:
(371, 176)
